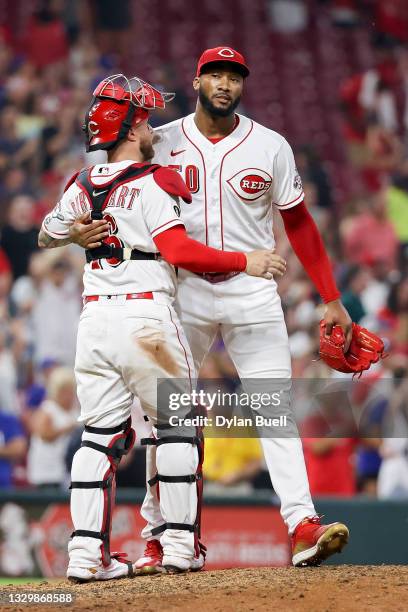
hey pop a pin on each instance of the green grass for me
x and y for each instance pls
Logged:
(5, 580)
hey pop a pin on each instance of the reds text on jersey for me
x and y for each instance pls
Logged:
(136, 213)
(234, 182)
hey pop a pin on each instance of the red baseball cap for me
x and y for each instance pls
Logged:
(223, 54)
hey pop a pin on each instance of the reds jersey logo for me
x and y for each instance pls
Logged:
(251, 183)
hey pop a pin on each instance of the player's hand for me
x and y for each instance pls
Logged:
(336, 314)
(265, 264)
(88, 233)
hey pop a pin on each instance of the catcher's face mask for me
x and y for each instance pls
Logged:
(119, 103)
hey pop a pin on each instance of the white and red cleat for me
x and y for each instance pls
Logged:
(119, 567)
(198, 563)
(151, 562)
(177, 565)
(313, 543)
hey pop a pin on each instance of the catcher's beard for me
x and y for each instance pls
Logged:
(214, 110)
(147, 151)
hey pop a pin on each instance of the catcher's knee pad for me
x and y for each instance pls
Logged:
(93, 490)
(179, 481)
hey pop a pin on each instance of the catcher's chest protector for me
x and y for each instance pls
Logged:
(99, 196)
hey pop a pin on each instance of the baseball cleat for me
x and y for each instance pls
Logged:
(313, 543)
(175, 565)
(118, 568)
(198, 563)
(151, 562)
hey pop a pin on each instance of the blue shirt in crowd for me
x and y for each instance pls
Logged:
(10, 428)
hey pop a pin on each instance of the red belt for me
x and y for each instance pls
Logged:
(218, 277)
(145, 295)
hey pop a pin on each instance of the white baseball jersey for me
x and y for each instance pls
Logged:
(234, 182)
(136, 212)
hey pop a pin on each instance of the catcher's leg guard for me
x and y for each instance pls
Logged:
(179, 481)
(93, 492)
(150, 509)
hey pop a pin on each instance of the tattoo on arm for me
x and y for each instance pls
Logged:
(45, 241)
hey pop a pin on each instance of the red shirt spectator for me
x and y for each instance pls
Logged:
(392, 18)
(329, 461)
(372, 237)
(44, 32)
(330, 467)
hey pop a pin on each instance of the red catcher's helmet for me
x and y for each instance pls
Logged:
(117, 104)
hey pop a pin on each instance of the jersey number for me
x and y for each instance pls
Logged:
(111, 239)
(191, 176)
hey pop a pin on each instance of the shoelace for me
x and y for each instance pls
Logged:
(312, 520)
(316, 520)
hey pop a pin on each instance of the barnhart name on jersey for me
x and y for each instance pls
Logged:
(123, 197)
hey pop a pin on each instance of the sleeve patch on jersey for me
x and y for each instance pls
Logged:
(171, 182)
(297, 182)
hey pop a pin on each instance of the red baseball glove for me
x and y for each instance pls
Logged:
(365, 348)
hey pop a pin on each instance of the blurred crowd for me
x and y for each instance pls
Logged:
(46, 75)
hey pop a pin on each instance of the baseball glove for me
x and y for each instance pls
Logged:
(365, 348)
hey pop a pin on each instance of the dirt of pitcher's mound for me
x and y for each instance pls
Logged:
(348, 588)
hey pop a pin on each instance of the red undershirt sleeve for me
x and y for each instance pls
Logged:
(308, 245)
(184, 252)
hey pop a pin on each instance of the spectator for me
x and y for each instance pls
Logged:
(393, 319)
(397, 198)
(14, 149)
(370, 236)
(329, 441)
(355, 283)
(46, 31)
(8, 375)
(5, 276)
(57, 293)
(288, 16)
(114, 23)
(231, 461)
(393, 475)
(165, 79)
(312, 170)
(13, 446)
(15, 182)
(37, 392)
(391, 18)
(370, 407)
(51, 427)
(19, 236)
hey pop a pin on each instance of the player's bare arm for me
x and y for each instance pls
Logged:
(45, 241)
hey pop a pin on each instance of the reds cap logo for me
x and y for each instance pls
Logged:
(226, 52)
(251, 183)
